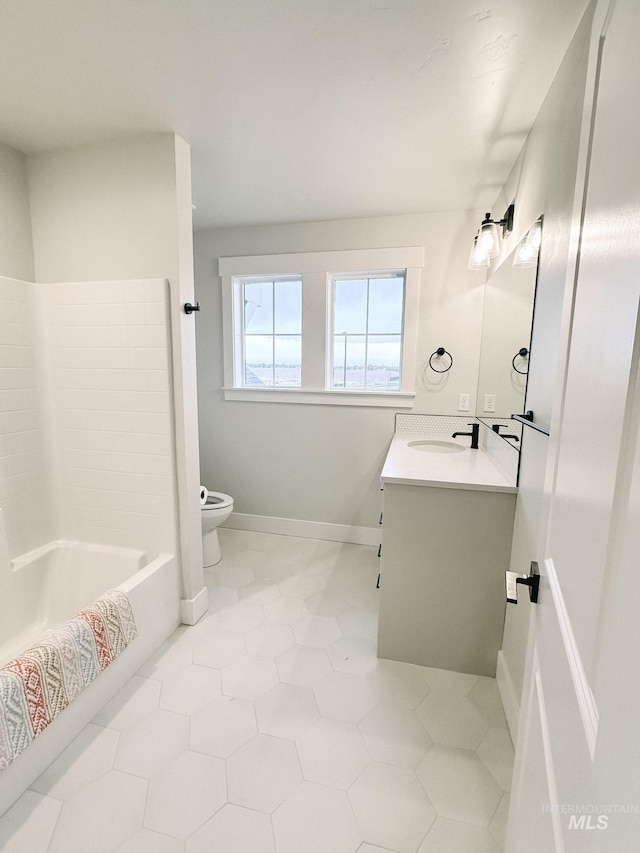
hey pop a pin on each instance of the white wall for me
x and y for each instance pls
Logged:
(16, 248)
(322, 463)
(186, 395)
(543, 181)
(26, 486)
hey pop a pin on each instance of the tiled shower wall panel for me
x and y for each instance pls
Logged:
(25, 482)
(110, 379)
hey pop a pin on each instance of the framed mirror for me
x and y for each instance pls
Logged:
(506, 336)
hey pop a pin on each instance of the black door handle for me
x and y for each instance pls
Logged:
(532, 580)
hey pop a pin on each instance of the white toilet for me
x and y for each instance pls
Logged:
(216, 510)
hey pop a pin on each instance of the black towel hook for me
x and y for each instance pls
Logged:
(438, 354)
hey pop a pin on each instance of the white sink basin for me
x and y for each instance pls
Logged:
(437, 446)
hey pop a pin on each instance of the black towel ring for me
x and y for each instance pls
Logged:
(523, 352)
(439, 353)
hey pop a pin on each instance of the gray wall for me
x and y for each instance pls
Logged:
(16, 246)
(105, 211)
(321, 462)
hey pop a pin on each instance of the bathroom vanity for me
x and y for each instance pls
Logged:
(446, 542)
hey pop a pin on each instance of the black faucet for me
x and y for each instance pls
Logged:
(496, 428)
(475, 431)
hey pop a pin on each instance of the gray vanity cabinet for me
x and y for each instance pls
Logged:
(444, 556)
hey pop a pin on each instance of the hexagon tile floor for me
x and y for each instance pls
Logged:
(271, 727)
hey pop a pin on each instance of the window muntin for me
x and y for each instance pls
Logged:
(367, 328)
(271, 332)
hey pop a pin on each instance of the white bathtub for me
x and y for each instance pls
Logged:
(51, 584)
(46, 587)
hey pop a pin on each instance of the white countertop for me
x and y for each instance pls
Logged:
(472, 469)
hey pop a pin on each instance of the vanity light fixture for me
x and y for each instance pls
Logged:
(526, 254)
(489, 234)
(487, 242)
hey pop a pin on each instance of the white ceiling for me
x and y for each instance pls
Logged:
(295, 109)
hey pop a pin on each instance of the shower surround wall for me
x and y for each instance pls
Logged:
(109, 375)
(26, 493)
(86, 438)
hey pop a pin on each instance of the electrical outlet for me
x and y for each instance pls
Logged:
(463, 402)
(489, 403)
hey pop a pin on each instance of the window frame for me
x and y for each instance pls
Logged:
(318, 270)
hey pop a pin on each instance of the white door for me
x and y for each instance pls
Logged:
(577, 777)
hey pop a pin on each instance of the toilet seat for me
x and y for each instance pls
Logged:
(216, 501)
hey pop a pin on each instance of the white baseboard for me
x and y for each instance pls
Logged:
(510, 700)
(193, 609)
(305, 529)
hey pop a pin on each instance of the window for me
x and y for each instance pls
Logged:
(322, 327)
(272, 332)
(367, 331)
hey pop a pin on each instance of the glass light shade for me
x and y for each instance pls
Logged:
(527, 252)
(525, 256)
(478, 257)
(535, 235)
(489, 239)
